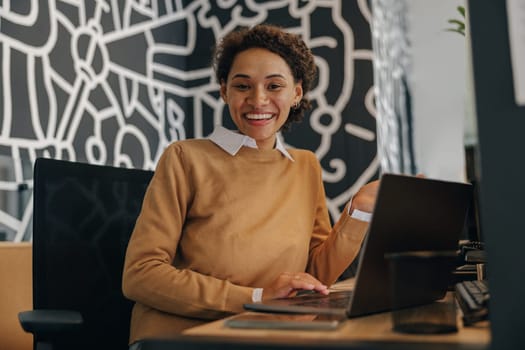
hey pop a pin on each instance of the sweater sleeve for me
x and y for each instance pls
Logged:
(332, 250)
(149, 276)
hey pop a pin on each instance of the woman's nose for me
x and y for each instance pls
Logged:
(258, 97)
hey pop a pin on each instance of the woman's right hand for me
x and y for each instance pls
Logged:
(287, 284)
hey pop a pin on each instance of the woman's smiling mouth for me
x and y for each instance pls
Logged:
(258, 116)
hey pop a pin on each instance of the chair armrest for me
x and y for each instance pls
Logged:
(47, 322)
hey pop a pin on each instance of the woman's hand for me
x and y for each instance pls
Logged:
(365, 198)
(288, 284)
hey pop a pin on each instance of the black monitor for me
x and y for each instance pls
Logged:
(501, 170)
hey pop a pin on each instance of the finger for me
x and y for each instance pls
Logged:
(307, 282)
(306, 277)
(297, 283)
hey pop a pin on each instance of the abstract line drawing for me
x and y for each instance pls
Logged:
(115, 81)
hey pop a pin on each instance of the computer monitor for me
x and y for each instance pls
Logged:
(501, 170)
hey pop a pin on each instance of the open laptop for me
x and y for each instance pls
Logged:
(411, 214)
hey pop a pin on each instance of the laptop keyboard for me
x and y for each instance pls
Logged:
(333, 300)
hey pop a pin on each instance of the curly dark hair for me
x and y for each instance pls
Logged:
(272, 38)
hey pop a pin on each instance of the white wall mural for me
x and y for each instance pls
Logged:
(115, 81)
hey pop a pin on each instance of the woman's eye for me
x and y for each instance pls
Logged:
(274, 86)
(241, 86)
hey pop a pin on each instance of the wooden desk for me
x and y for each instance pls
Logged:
(363, 333)
(373, 329)
(366, 333)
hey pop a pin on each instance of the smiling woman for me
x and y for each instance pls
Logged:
(260, 91)
(237, 217)
(290, 49)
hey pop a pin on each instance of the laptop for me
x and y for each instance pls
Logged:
(410, 214)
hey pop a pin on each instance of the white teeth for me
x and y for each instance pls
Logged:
(258, 116)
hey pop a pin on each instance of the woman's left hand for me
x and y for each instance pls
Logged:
(365, 198)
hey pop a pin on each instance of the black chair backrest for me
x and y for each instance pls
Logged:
(83, 217)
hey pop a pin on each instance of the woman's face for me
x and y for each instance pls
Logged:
(259, 91)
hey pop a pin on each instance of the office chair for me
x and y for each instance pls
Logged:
(83, 216)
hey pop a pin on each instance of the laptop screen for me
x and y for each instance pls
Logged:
(411, 214)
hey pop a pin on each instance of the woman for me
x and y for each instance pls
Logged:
(237, 218)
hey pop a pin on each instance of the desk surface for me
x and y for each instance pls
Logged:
(367, 332)
(363, 333)
(373, 328)
(370, 329)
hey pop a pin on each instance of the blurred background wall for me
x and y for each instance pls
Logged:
(114, 82)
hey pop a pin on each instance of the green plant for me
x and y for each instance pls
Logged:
(458, 24)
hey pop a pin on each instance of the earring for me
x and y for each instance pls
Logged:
(296, 105)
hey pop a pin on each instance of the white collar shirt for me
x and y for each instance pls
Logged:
(232, 141)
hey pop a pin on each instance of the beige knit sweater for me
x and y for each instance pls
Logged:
(214, 226)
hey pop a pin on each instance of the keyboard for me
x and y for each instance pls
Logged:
(336, 300)
(473, 297)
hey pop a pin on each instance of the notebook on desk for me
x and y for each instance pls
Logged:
(410, 214)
